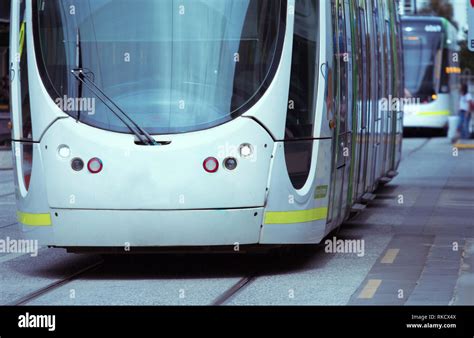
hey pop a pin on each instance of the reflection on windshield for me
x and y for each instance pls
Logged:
(174, 66)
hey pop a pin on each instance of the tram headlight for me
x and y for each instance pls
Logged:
(64, 151)
(246, 150)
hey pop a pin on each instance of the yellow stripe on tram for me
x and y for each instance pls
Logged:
(37, 220)
(299, 216)
(22, 37)
(435, 113)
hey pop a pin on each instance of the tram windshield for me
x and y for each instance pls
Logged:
(173, 66)
(422, 42)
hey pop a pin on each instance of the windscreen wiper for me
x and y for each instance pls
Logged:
(142, 135)
(80, 74)
(79, 65)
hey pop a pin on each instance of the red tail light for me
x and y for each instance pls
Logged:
(95, 165)
(211, 165)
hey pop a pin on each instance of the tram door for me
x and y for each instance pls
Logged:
(379, 95)
(348, 114)
(372, 150)
(342, 137)
(364, 80)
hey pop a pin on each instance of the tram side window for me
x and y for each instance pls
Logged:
(343, 80)
(335, 49)
(304, 71)
(302, 100)
(401, 63)
(255, 50)
(389, 59)
(363, 80)
(382, 62)
(53, 49)
(26, 125)
(27, 131)
(4, 81)
(447, 75)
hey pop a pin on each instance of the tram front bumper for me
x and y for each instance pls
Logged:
(148, 228)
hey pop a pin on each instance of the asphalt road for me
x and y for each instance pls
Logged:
(418, 237)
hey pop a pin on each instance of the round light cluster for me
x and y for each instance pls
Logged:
(77, 164)
(64, 151)
(246, 150)
(95, 165)
(211, 164)
(230, 163)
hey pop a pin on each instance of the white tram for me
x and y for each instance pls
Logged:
(432, 71)
(198, 123)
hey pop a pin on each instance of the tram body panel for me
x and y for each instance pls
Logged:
(175, 175)
(299, 215)
(292, 216)
(271, 109)
(33, 211)
(152, 228)
(31, 197)
(430, 115)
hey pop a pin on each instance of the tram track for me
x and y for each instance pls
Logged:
(222, 299)
(55, 285)
(233, 290)
(8, 225)
(416, 149)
